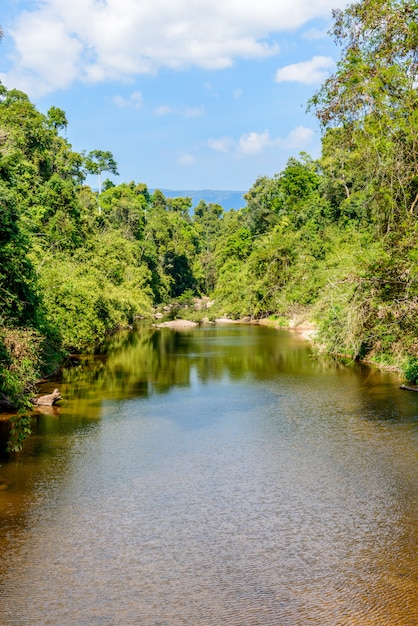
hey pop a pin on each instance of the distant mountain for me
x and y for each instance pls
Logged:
(227, 199)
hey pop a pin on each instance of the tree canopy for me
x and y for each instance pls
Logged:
(99, 161)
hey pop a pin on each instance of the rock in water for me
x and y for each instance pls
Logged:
(49, 399)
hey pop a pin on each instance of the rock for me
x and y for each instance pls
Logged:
(177, 324)
(49, 399)
(226, 320)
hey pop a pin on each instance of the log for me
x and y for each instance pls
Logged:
(49, 399)
(408, 388)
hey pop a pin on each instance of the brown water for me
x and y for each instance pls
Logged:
(215, 477)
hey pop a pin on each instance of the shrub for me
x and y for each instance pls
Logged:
(411, 370)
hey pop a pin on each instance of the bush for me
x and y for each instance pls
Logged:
(411, 370)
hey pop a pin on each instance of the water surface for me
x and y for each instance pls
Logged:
(215, 476)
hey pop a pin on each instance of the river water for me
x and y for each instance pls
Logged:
(219, 476)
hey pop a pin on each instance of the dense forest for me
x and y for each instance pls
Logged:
(332, 241)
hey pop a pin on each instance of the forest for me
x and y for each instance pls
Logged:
(332, 241)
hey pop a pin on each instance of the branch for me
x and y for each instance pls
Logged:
(411, 210)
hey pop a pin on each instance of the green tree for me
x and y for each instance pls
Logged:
(18, 297)
(170, 245)
(181, 205)
(158, 200)
(56, 118)
(124, 207)
(372, 99)
(208, 221)
(264, 203)
(98, 161)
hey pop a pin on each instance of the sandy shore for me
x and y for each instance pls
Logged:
(177, 324)
(304, 330)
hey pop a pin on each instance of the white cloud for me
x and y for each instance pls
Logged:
(222, 144)
(134, 100)
(185, 159)
(299, 138)
(184, 112)
(163, 110)
(193, 112)
(316, 70)
(253, 143)
(58, 42)
(314, 34)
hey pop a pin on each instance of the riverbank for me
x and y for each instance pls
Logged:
(305, 329)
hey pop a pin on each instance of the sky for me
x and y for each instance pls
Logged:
(186, 94)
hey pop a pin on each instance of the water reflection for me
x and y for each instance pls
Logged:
(153, 361)
(214, 476)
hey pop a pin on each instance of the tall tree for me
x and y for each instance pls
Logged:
(372, 98)
(98, 161)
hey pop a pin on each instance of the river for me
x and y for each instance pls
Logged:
(210, 477)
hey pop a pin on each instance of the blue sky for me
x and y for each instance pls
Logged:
(186, 94)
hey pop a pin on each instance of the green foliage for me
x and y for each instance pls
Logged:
(95, 291)
(233, 293)
(19, 362)
(20, 430)
(99, 161)
(208, 222)
(169, 247)
(411, 370)
(264, 204)
(371, 102)
(18, 298)
(56, 118)
(21, 352)
(124, 207)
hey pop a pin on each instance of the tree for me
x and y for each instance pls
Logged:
(181, 205)
(158, 200)
(56, 118)
(207, 218)
(373, 100)
(98, 161)
(292, 192)
(124, 208)
(264, 201)
(18, 297)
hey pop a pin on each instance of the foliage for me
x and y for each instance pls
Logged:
(18, 298)
(372, 102)
(411, 370)
(208, 223)
(20, 359)
(124, 207)
(95, 291)
(98, 161)
(169, 247)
